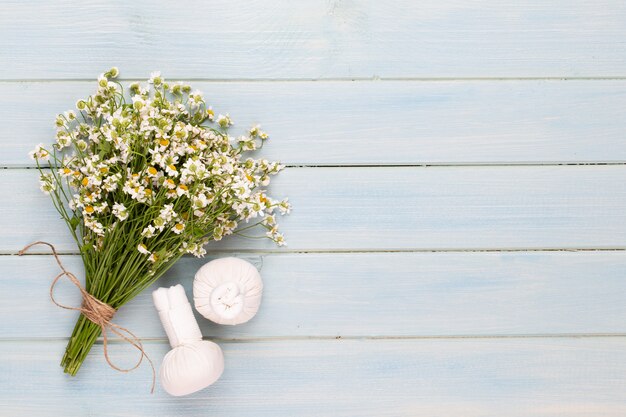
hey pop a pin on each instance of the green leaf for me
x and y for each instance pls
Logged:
(105, 148)
(198, 231)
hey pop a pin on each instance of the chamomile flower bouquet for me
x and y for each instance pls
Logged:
(143, 177)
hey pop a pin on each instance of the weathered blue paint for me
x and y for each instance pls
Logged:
(505, 282)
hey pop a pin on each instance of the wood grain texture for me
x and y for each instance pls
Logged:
(378, 123)
(398, 209)
(437, 378)
(381, 295)
(313, 39)
(430, 325)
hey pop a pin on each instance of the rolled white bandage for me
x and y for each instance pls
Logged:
(228, 291)
(193, 363)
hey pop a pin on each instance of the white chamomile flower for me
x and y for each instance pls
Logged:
(103, 82)
(224, 121)
(193, 169)
(254, 131)
(182, 189)
(200, 201)
(171, 170)
(169, 183)
(60, 122)
(178, 228)
(279, 239)
(153, 257)
(247, 143)
(210, 114)
(152, 172)
(120, 211)
(39, 153)
(148, 232)
(195, 98)
(65, 172)
(94, 225)
(199, 252)
(284, 207)
(143, 249)
(167, 213)
(111, 182)
(159, 224)
(138, 102)
(163, 144)
(176, 88)
(81, 145)
(47, 183)
(194, 248)
(63, 141)
(88, 210)
(155, 78)
(101, 208)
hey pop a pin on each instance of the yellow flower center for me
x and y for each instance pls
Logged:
(67, 171)
(89, 209)
(85, 181)
(148, 192)
(164, 142)
(104, 170)
(183, 187)
(152, 171)
(179, 226)
(172, 167)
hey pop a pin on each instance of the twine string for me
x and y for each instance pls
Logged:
(97, 312)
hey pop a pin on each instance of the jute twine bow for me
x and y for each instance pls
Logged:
(98, 312)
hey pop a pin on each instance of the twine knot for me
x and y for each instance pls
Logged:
(98, 312)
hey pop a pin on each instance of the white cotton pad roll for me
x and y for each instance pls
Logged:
(193, 363)
(228, 291)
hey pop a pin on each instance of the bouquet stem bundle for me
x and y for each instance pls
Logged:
(83, 337)
(142, 182)
(86, 332)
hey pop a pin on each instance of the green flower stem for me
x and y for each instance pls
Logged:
(83, 337)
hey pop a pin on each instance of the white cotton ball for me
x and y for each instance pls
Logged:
(228, 291)
(193, 363)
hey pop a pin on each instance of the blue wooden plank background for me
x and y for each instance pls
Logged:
(458, 243)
